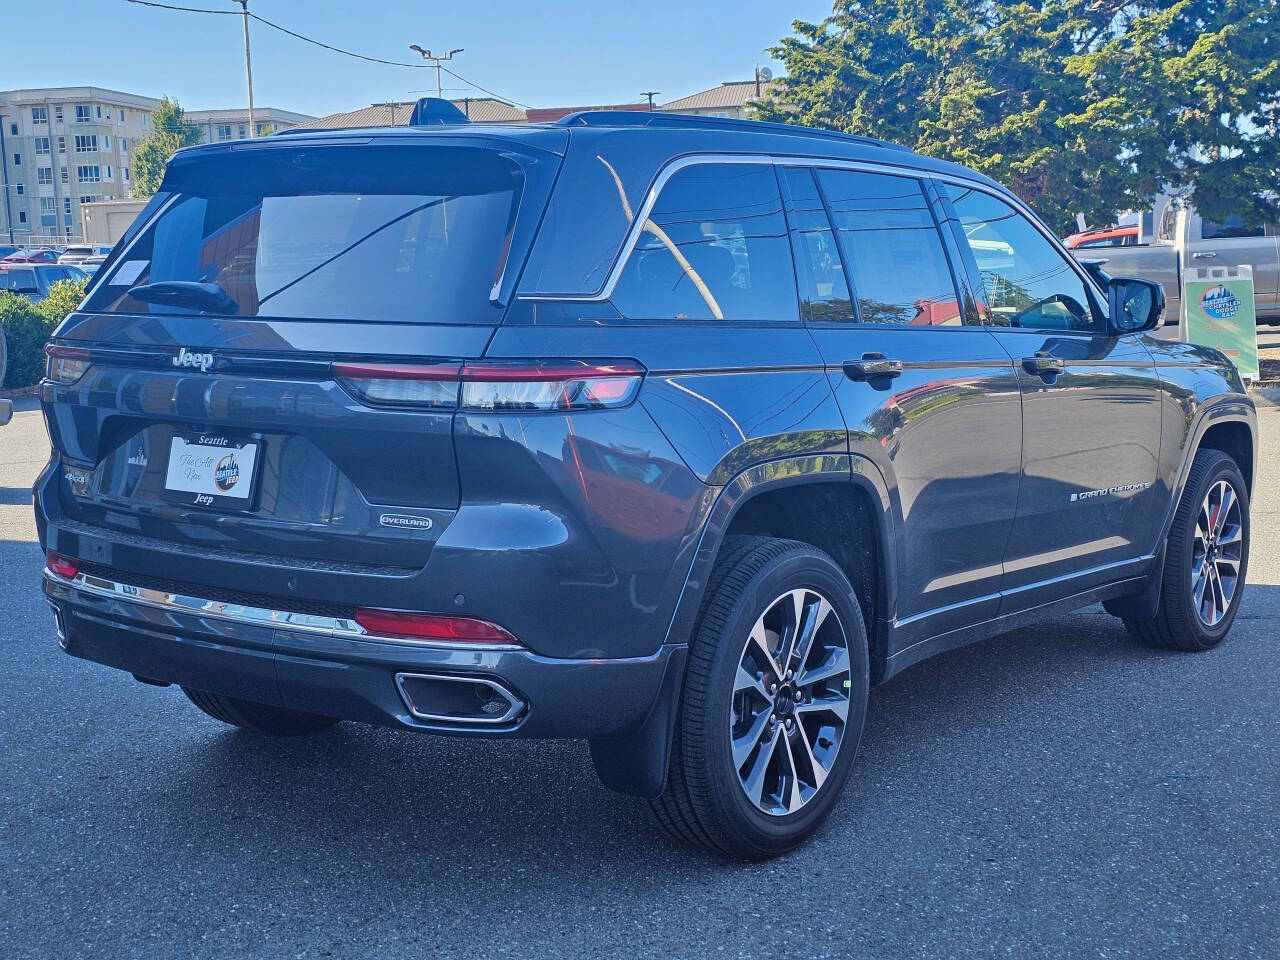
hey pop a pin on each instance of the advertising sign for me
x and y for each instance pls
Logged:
(1220, 314)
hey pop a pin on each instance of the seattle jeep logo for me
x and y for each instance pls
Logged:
(201, 361)
(227, 473)
(1219, 303)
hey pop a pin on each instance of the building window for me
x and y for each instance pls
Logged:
(108, 172)
(22, 216)
(86, 143)
(65, 176)
(83, 114)
(106, 143)
(57, 114)
(42, 145)
(224, 131)
(88, 199)
(66, 204)
(39, 114)
(21, 189)
(98, 112)
(121, 120)
(13, 129)
(62, 144)
(124, 144)
(88, 174)
(242, 131)
(17, 159)
(125, 171)
(44, 175)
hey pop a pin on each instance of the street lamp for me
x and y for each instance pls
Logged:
(437, 57)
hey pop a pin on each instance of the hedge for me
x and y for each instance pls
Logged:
(27, 327)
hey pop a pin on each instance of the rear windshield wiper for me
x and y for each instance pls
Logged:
(186, 293)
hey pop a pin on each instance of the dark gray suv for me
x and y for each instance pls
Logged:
(670, 433)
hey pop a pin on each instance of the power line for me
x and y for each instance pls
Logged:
(349, 53)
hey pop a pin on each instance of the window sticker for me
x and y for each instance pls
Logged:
(129, 271)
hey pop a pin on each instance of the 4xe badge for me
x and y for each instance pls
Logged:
(199, 361)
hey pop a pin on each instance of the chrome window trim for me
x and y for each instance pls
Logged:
(832, 163)
(340, 628)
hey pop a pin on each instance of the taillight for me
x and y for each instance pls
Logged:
(62, 566)
(430, 626)
(495, 385)
(66, 364)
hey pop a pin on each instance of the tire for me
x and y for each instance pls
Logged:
(1180, 622)
(258, 717)
(727, 697)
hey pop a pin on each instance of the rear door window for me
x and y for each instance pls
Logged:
(387, 233)
(714, 247)
(1232, 228)
(891, 247)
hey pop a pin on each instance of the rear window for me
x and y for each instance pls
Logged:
(18, 279)
(387, 233)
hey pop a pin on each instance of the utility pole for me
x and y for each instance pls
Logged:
(248, 67)
(428, 55)
(650, 94)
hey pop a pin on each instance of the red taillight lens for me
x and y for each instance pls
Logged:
(62, 566)
(66, 364)
(488, 386)
(431, 626)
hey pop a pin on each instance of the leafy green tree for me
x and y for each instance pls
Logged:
(170, 132)
(1078, 106)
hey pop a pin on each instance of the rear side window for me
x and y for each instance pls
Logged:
(714, 247)
(18, 279)
(387, 233)
(892, 249)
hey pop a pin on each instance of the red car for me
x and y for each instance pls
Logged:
(1104, 237)
(34, 255)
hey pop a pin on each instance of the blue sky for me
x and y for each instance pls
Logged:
(543, 52)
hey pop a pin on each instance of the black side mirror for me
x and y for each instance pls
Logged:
(1134, 305)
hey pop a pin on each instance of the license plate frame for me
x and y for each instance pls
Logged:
(203, 480)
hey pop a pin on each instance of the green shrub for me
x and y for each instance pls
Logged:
(27, 327)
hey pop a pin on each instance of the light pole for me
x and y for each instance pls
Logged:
(248, 68)
(650, 94)
(428, 55)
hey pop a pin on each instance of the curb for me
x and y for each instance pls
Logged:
(1265, 393)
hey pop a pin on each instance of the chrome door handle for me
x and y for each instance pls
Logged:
(1208, 255)
(1044, 364)
(872, 366)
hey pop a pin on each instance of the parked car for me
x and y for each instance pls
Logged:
(78, 254)
(33, 280)
(1184, 240)
(32, 255)
(1123, 236)
(618, 428)
(90, 265)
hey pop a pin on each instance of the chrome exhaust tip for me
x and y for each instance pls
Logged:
(450, 700)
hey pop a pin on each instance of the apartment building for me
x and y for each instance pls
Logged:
(218, 125)
(66, 146)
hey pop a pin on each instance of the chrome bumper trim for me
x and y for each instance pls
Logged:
(337, 627)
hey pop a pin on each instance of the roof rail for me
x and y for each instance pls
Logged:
(625, 118)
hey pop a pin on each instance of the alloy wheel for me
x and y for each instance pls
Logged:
(1217, 553)
(790, 702)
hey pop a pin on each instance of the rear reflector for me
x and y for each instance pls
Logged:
(562, 385)
(62, 566)
(430, 626)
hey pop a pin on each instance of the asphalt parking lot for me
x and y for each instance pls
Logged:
(1056, 792)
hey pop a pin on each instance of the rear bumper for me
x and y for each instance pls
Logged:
(331, 667)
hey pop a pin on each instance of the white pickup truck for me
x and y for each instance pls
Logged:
(1183, 240)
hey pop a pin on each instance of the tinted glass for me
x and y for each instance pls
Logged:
(891, 248)
(714, 247)
(18, 279)
(824, 289)
(1168, 222)
(1028, 283)
(388, 234)
(1233, 227)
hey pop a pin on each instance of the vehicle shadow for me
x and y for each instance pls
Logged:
(422, 810)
